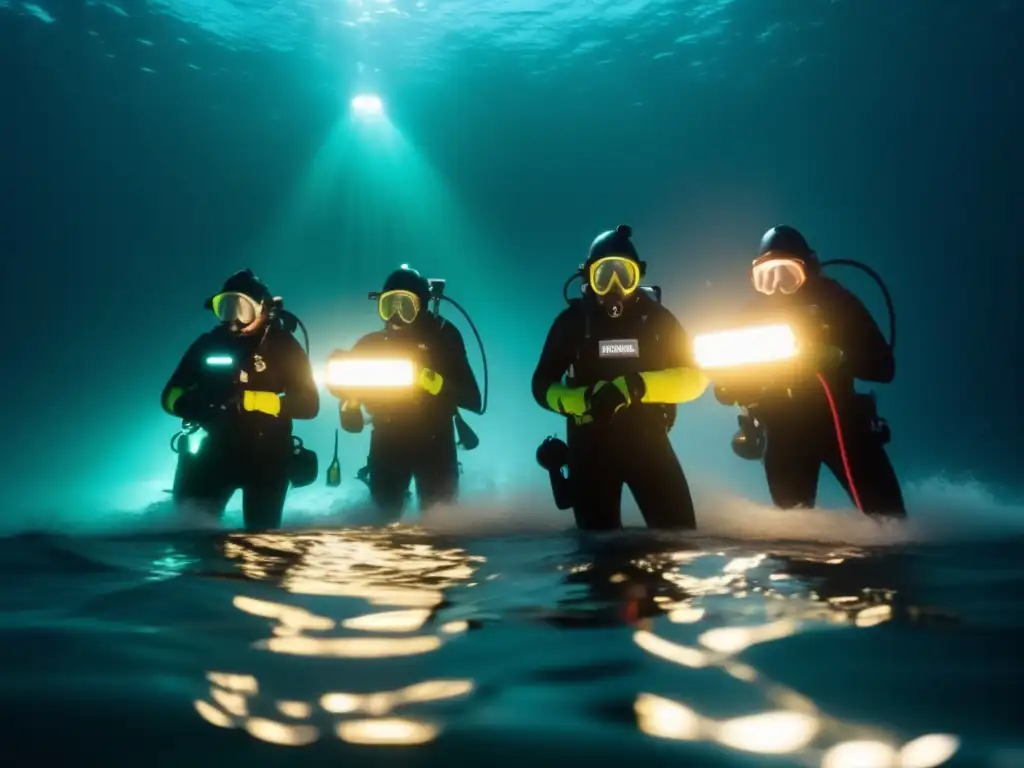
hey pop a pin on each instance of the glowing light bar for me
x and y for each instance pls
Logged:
(367, 105)
(219, 361)
(370, 374)
(746, 346)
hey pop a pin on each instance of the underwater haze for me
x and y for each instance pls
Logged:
(151, 148)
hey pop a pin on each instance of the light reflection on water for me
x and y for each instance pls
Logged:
(370, 566)
(685, 608)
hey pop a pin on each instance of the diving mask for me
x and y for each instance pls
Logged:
(613, 272)
(236, 309)
(398, 306)
(775, 272)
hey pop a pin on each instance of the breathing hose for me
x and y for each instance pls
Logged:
(841, 440)
(305, 333)
(565, 286)
(836, 421)
(480, 343)
(881, 284)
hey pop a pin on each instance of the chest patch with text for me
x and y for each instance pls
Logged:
(618, 348)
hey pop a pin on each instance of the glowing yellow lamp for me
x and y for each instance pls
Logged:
(370, 373)
(746, 346)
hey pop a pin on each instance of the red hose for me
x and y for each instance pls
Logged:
(842, 442)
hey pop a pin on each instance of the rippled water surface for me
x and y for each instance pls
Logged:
(417, 647)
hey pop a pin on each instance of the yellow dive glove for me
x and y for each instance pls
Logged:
(430, 381)
(569, 401)
(672, 385)
(263, 402)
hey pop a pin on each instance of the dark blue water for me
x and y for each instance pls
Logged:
(419, 647)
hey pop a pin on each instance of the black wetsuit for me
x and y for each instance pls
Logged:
(242, 450)
(633, 449)
(415, 439)
(799, 428)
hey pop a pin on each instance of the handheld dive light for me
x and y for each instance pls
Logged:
(348, 373)
(745, 347)
(219, 361)
(222, 379)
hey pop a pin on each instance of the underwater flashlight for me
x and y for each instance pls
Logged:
(745, 346)
(372, 373)
(219, 361)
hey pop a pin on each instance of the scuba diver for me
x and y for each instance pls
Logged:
(627, 364)
(414, 437)
(818, 417)
(243, 383)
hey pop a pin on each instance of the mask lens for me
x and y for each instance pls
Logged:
(236, 308)
(403, 305)
(613, 271)
(783, 275)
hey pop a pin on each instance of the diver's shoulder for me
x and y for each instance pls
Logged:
(830, 289)
(283, 339)
(830, 285)
(573, 313)
(652, 306)
(658, 311)
(208, 339)
(446, 329)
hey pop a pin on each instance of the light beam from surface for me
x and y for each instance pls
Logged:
(367, 106)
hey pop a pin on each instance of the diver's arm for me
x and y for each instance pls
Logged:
(867, 355)
(301, 398)
(681, 381)
(548, 388)
(350, 409)
(462, 383)
(730, 389)
(182, 386)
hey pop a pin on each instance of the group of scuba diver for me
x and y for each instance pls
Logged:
(616, 365)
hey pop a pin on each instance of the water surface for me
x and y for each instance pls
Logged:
(418, 647)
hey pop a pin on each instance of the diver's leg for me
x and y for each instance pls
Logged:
(263, 495)
(437, 473)
(596, 478)
(873, 473)
(792, 463)
(203, 483)
(390, 475)
(659, 485)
